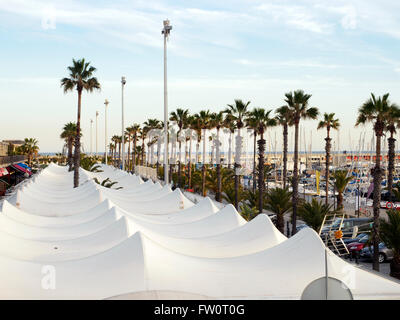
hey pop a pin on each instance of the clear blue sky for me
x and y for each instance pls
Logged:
(339, 51)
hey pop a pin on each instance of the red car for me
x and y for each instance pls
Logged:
(355, 247)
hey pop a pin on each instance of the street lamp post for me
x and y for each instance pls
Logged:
(123, 82)
(166, 31)
(97, 115)
(105, 129)
(91, 139)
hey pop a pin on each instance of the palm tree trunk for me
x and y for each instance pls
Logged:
(391, 142)
(237, 177)
(189, 163)
(129, 152)
(340, 201)
(219, 178)
(254, 161)
(285, 152)
(77, 154)
(295, 181)
(142, 160)
(179, 165)
(395, 266)
(70, 159)
(328, 154)
(203, 172)
(230, 150)
(134, 154)
(119, 154)
(158, 155)
(377, 195)
(261, 150)
(236, 166)
(203, 180)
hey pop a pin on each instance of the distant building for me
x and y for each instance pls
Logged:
(12, 145)
(4, 149)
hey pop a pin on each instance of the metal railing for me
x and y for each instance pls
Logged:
(7, 160)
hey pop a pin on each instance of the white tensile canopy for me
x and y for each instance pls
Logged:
(145, 241)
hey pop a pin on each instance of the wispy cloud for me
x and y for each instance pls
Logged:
(291, 64)
(297, 16)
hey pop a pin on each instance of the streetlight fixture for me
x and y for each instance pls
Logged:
(105, 129)
(97, 115)
(166, 31)
(123, 82)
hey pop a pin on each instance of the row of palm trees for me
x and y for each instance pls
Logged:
(234, 118)
(383, 114)
(385, 117)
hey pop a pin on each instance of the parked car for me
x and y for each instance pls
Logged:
(356, 239)
(385, 253)
(301, 226)
(356, 247)
(362, 224)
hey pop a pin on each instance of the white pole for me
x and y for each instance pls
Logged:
(204, 147)
(166, 30)
(91, 139)
(97, 133)
(165, 110)
(123, 81)
(105, 129)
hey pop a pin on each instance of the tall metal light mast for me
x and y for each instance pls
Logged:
(166, 31)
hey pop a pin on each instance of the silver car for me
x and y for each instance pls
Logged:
(385, 253)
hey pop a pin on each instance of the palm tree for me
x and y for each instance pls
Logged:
(217, 120)
(285, 119)
(190, 124)
(261, 120)
(68, 134)
(248, 213)
(107, 183)
(203, 117)
(114, 139)
(119, 142)
(252, 124)
(278, 201)
(393, 121)
(230, 127)
(267, 173)
(238, 112)
(298, 105)
(196, 125)
(341, 181)
(111, 147)
(376, 111)
(313, 213)
(81, 78)
(143, 136)
(329, 123)
(30, 148)
(135, 133)
(390, 235)
(212, 180)
(180, 118)
(129, 132)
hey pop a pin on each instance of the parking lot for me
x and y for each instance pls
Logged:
(384, 267)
